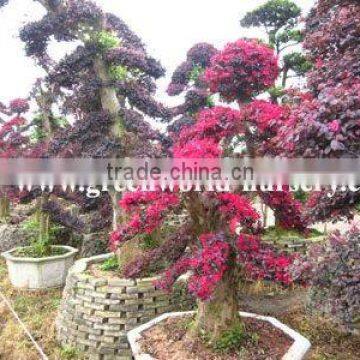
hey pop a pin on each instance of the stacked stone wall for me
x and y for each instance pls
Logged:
(96, 313)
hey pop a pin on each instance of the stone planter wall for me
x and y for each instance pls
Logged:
(296, 245)
(96, 313)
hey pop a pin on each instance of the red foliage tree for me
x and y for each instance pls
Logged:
(208, 243)
(325, 122)
(13, 142)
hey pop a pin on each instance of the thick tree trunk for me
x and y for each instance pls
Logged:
(109, 99)
(221, 313)
(44, 222)
(4, 208)
(117, 216)
(45, 101)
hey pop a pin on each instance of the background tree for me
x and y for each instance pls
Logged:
(331, 269)
(281, 19)
(324, 122)
(107, 85)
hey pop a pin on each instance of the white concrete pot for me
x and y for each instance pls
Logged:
(297, 351)
(39, 273)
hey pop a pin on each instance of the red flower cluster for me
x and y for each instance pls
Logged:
(208, 265)
(243, 69)
(263, 114)
(19, 106)
(216, 123)
(202, 140)
(147, 210)
(198, 148)
(10, 125)
(12, 140)
(288, 211)
(262, 263)
(237, 210)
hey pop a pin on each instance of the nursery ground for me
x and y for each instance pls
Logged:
(38, 311)
(289, 307)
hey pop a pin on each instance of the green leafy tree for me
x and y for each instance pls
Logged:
(280, 19)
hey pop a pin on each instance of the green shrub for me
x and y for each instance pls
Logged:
(106, 40)
(118, 73)
(232, 339)
(111, 264)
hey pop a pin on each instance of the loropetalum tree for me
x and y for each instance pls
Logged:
(332, 271)
(265, 116)
(218, 243)
(325, 122)
(281, 20)
(107, 84)
(13, 142)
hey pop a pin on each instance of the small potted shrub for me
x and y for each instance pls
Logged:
(41, 265)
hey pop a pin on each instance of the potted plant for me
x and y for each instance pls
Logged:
(41, 265)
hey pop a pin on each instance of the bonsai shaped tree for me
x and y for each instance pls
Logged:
(281, 19)
(106, 84)
(208, 244)
(188, 79)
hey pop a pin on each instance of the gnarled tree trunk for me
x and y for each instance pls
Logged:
(221, 313)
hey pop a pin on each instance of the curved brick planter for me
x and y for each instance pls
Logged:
(296, 245)
(96, 313)
(297, 351)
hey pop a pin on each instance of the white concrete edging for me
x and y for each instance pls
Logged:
(39, 273)
(297, 351)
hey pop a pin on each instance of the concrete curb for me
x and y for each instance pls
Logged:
(297, 351)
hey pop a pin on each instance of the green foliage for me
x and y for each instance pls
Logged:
(297, 62)
(276, 92)
(111, 264)
(275, 233)
(357, 207)
(60, 122)
(301, 196)
(287, 35)
(118, 73)
(38, 133)
(232, 340)
(149, 241)
(40, 245)
(273, 15)
(196, 72)
(32, 226)
(69, 353)
(210, 102)
(106, 40)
